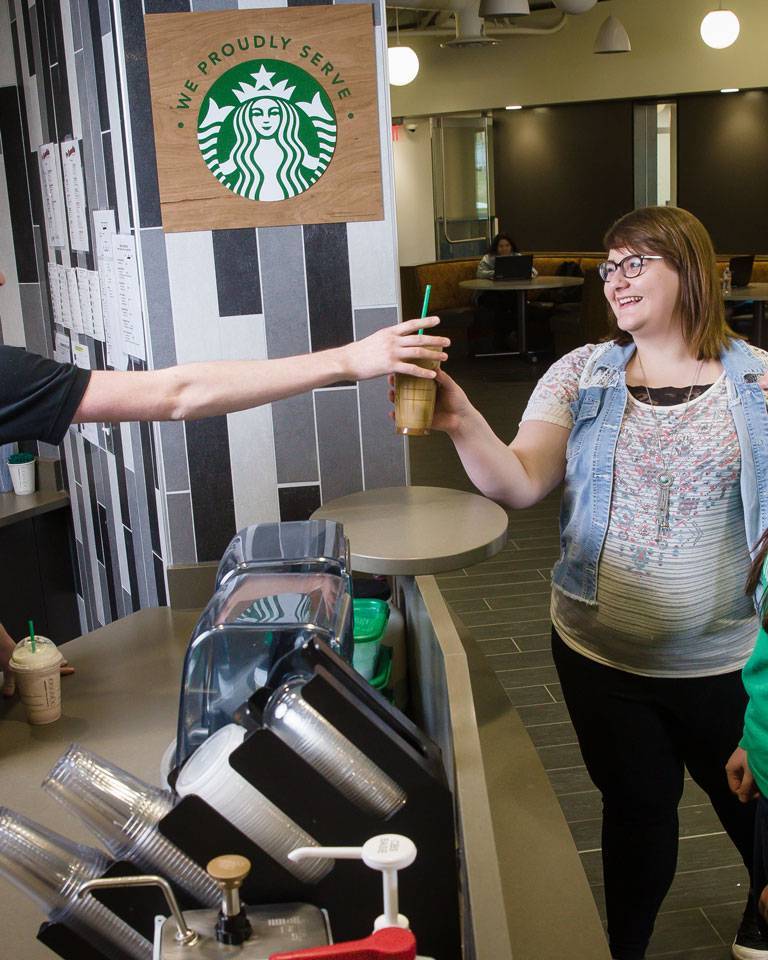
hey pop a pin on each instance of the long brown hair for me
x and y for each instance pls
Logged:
(755, 572)
(685, 244)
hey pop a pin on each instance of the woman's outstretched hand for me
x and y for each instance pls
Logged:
(451, 403)
(393, 350)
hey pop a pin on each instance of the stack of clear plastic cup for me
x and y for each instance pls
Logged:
(208, 775)
(50, 870)
(307, 732)
(123, 812)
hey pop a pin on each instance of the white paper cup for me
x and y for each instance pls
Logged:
(37, 679)
(22, 477)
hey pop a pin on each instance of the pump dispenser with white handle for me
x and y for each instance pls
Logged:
(387, 852)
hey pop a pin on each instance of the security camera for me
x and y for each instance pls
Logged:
(411, 127)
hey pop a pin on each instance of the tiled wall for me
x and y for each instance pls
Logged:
(149, 495)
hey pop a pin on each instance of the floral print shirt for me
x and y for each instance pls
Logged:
(673, 606)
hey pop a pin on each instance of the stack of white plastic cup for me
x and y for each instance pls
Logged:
(208, 775)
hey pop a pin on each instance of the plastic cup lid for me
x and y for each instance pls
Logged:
(210, 760)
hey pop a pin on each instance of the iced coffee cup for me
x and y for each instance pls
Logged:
(37, 678)
(415, 400)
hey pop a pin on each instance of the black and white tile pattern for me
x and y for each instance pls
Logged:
(146, 496)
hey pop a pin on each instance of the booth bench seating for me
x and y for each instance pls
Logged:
(572, 324)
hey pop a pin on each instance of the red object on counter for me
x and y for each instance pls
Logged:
(389, 943)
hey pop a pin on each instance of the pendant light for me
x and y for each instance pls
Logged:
(574, 6)
(500, 9)
(612, 37)
(720, 28)
(403, 62)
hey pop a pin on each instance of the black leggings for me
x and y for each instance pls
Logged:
(636, 734)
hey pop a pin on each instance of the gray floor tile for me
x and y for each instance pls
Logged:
(696, 855)
(573, 780)
(464, 607)
(725, 918)
(536, 641)
(499, 645)
(556, 690)
(546, 713)
(532, 585)
(511, 563)
(682, 930)
(562, 757)
(522, 696)
(707, 888)
(552, 734)
(510, 679)
(502, 662)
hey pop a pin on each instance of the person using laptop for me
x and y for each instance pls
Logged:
(502, 245)
(497, 313)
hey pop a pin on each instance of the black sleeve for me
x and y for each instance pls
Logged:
(38, 397)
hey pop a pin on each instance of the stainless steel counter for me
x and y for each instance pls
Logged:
(523, 878)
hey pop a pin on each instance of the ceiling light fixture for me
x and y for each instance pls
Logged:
(730, 90)
(499, 9)
(720, 28)
(612, 37)
(515, 106)
(574, 6)
(403, 62)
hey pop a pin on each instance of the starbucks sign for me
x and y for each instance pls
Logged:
(265, 117)
(266, 130)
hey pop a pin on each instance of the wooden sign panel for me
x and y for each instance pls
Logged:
(265, 117)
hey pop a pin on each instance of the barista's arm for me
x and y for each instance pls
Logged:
(194, 390)
(6, 650)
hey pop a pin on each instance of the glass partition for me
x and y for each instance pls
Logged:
(462, 151)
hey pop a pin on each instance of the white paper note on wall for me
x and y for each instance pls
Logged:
(96, 308)
(62, 350)
(82, 359)
(104, 229)
(66, 307)
(70, 275)
(74, 195)
(53, 195)
(128, 296)
(54, 289)
(84, 296)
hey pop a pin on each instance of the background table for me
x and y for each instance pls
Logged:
(521, 287)
(758, 292)
(409, 531)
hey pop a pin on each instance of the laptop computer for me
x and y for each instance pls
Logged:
(514, 267)
(741, 270)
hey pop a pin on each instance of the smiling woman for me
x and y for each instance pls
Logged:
(657, 435)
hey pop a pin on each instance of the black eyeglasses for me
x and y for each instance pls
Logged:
(631, 266)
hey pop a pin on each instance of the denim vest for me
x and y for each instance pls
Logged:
(597, 417)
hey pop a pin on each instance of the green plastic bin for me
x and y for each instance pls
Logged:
(370, 618)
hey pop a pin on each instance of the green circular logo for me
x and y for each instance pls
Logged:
(266, 130)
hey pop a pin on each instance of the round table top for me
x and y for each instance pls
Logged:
(417, 530)
(755, 291)
(533, 283)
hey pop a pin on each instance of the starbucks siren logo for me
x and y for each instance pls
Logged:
(266, 130)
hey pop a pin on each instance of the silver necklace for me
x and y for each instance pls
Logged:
(665, 478)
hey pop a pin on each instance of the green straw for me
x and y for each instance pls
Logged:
(32, 640)
(425, 304)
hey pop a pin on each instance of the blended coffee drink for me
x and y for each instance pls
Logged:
(37, 678)
(415, 400)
